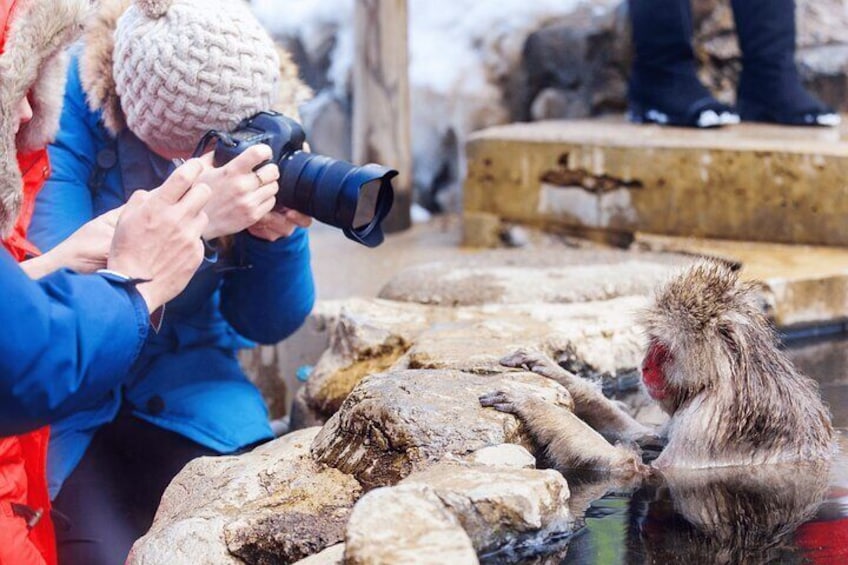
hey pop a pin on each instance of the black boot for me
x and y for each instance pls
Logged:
(664, 86)
(770, 88)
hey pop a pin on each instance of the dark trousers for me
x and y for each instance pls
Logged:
(110, 499)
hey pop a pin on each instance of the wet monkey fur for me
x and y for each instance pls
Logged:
(712, 364)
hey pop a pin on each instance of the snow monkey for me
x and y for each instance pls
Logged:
(712, 363)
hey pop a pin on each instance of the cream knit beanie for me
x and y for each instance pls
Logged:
(183, 67)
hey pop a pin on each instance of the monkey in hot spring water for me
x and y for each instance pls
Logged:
(713, 365)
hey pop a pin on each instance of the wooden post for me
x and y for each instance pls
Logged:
(381, 107)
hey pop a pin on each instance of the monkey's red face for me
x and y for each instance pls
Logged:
(653, 370)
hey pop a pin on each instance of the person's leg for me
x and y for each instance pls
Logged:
(110, 499)
(153, 457)
(91, 513)
(664, 87)
(770, 88)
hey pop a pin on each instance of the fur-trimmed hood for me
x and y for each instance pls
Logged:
(34, 61)
(98, 82)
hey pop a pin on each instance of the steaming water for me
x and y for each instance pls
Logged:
(796, 518)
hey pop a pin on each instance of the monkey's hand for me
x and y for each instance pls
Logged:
(501, 400)
(538, 363)
(590, 404)
(515, 400)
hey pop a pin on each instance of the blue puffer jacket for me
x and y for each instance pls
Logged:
(99, 322)
(187, 378)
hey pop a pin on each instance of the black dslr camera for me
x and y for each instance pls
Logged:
(355, 199)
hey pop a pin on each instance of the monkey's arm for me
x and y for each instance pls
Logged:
(590, 405)
(567, 440)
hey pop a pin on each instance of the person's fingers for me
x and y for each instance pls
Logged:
(268, 173)
(266, 207)
(180, 181)
(264, 193)
(136, 198)
(197, 225)
(249, 159)
(274, 225)
(208, 158)
(195, 200)
(298, 218)
(111, 217)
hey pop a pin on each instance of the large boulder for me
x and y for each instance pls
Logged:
(598, 340)
(406, 524)
(274, 504)
(393, 424)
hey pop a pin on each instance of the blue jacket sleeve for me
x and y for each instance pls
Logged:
(270, 300)
(67, 340)
(65, 203)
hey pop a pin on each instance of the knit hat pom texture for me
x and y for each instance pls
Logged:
(154, 8)
(194, 66)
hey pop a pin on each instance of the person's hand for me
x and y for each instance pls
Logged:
(240, 196)
(279, 224)
(157, 237)
(85, 251)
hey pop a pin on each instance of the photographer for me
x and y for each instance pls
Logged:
(148, 81)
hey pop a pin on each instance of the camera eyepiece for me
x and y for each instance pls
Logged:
(353, 198)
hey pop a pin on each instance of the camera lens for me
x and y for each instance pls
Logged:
(355, 199)
(366, 207)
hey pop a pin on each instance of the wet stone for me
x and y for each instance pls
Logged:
(501, 507)
(393, 424)
(504, 455)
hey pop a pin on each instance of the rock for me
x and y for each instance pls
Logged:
(504, 455)
(274, 504)
(598, 340)
(366, 336)
(330, 556)
(554, 103)
(405, 524)
(302, 414)
(525, 277)
(501, 507)
(574, 68)
(392, 424)
(481, 230)
(824, 70)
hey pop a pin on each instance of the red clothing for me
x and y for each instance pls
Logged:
(23, 459)
(35, 168)
(25, 538)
